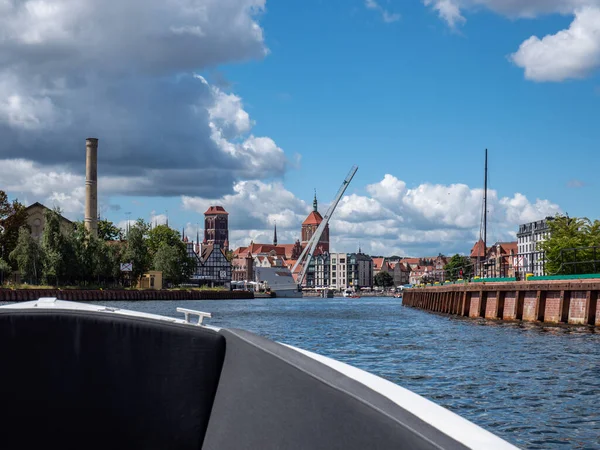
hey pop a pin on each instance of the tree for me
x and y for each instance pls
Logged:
(4, 269)
(137, 249)
(566, 245)
(175, 266)
(28, 256)
(107, 231)
(162, 234)
(383, 279)
(459, 267)
(60, 258)
(12, 217)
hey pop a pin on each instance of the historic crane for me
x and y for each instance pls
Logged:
(308, 252)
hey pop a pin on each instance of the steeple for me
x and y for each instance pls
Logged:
(315, 202)
(275, 235)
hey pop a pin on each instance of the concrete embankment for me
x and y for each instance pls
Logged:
(21, 295)
(573, 302)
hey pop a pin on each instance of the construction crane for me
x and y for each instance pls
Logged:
(308, 252)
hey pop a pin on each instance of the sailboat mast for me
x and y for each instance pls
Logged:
(485, 194)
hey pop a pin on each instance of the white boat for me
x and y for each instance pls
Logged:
(279, 280)
(85, 376)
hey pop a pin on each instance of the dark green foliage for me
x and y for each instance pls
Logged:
(457, 264)
(12, 217)
(137, 251)
(107, 231)
(383, 279)
(28, 257)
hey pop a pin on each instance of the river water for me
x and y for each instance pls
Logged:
(537, 387)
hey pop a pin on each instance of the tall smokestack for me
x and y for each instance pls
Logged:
(91, 185)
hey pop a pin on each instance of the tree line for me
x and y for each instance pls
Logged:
(76, 258)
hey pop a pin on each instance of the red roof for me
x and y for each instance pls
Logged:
(377, 263)
(314, 218)
(216, 210)
(478, 249)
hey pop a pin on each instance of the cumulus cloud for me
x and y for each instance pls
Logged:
(386, 16)
(570, 53)
(391, 219)
(73, 69)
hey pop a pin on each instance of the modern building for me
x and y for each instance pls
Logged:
(216, 227)
(529, 258)
(360, 270)
(338, 270)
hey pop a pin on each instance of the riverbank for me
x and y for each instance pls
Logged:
(22, 295)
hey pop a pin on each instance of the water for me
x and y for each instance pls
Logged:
(535, 387)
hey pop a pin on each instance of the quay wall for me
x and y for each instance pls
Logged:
(572, 302)
(22, 295)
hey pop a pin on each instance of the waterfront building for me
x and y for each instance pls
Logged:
(381, 264)
(401, 274)
(216, 227)
(339, 271)
(529, 258)
(360, 270)
(322, 265)
(422, 274)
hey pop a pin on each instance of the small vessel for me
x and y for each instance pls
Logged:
(79, 375)
(278, 280)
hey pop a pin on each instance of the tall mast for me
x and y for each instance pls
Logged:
(485, 183)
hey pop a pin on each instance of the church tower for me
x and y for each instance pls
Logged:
(310, 225)
(216, 227)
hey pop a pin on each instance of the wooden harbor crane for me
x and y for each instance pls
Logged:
(308, 252)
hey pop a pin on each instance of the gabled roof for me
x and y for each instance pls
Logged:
(378, 263)
(478, 249)
(314, 218)
(38, 204)
(216, 210)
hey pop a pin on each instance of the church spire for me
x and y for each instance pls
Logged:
(275, 235)
(315, 202)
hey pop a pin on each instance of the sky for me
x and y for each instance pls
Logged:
(254, 104)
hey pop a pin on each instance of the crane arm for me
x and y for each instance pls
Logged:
(314, 240)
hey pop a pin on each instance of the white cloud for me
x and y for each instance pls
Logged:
(424, 220)
(449, 10)
(571, 53)
(386, 16)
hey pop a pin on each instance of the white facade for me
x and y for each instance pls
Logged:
(530, 259)
(338, 270)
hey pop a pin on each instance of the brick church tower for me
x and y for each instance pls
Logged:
(310, 225)
(216, 227)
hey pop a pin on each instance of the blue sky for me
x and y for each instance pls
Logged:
(411, 89)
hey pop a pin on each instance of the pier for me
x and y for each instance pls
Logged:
(553, 302)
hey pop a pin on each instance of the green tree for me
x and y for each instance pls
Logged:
(175, 266)
(28, 256)
(60, 258)
(383, 279)
(12, 217)
(4, 270)
(162, 234)
(107, 231)
(457, 264)
(136, 251)
(569, 237)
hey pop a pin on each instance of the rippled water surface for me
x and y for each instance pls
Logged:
(535, 387)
